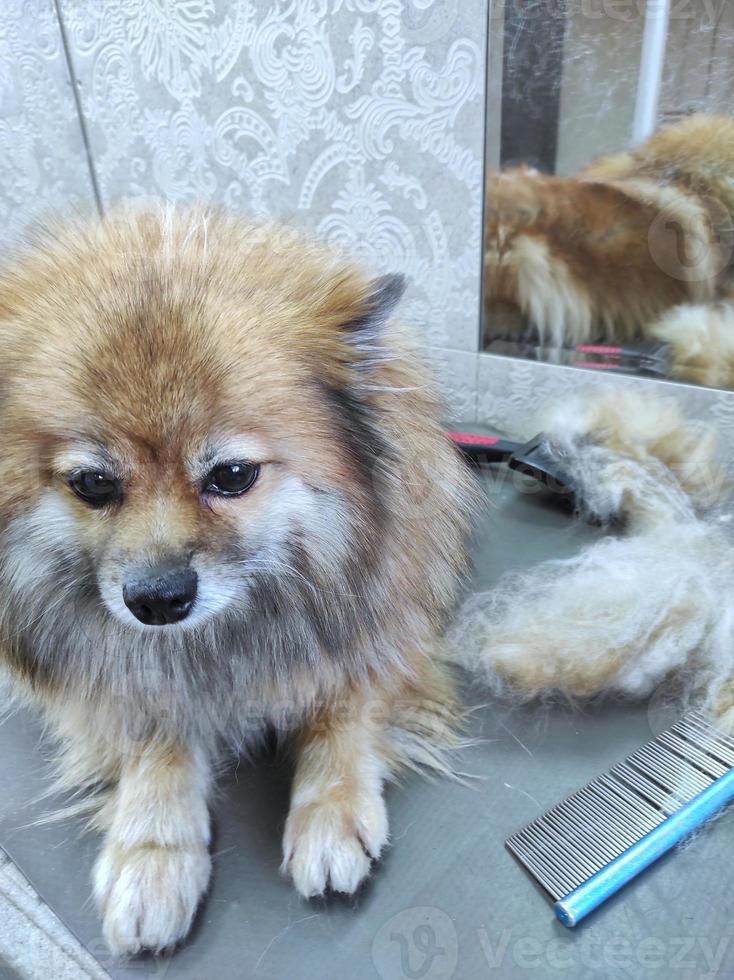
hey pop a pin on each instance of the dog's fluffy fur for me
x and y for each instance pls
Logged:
(603, 254)
(614, 441)
(152, 346)
(700, 339)
(637, 606)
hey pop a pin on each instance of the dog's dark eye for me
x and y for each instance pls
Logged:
(97, 489)
(231, 479)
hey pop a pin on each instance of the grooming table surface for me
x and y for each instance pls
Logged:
(448, 900)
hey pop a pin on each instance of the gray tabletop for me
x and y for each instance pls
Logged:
(448, 900)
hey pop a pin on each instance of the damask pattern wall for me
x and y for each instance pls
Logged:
(43, 163)
(358, 120)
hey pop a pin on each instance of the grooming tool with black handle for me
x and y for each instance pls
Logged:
(534, 458)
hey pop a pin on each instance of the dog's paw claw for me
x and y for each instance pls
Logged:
(148, 895)
(327, 846)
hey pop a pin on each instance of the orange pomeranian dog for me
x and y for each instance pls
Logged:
(227, 505)
(601, 255)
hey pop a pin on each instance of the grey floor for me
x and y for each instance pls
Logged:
(448, 900)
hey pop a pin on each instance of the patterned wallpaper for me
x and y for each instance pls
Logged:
(359, 120)
(43, 163)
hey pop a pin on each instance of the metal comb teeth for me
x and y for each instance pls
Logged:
(578, 837)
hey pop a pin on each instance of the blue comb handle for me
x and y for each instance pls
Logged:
(575, 906)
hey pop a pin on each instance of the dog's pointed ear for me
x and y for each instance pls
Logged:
(365, 330)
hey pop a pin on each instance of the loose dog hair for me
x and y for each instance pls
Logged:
(645, 606)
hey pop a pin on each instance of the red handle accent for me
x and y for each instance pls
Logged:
(598, 349)
(471, 439)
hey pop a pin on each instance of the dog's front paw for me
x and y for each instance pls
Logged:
(332, 844)
(147, 895)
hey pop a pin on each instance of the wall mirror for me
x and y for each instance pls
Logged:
(609, 193)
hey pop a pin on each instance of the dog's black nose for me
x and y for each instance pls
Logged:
(163, 597)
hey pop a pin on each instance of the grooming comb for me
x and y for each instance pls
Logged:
(586, 848)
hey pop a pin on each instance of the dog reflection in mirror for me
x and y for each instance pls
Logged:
(637, 245)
